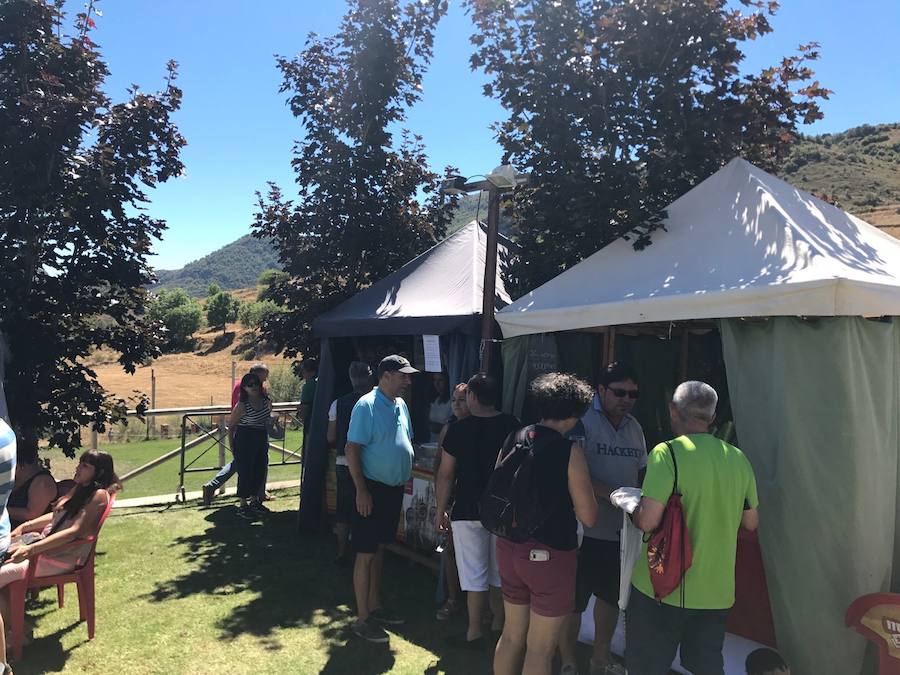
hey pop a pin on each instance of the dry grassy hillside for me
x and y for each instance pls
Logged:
(199, 377)
(858, 168)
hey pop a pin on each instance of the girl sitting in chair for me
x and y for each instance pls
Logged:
(75, 516)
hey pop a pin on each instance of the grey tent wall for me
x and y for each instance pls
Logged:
(315, 458)
(816, 408)
(462, 356)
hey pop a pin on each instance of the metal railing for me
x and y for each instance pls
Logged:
(215, 437)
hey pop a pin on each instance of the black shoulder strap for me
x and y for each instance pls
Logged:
(521, 440)
(675, 465)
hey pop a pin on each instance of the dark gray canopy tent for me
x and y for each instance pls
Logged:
(437, 293)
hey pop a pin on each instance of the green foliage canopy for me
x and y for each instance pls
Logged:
(618, 107)
(252, 315)
(356, 217)
(222, 308)
(74, 239)
(180, 315)
(283, 384)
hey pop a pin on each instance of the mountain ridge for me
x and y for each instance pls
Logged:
(858, 169)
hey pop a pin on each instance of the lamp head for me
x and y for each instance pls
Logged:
(453, 185)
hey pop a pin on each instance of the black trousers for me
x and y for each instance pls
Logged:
(251, 454)
(653, 632)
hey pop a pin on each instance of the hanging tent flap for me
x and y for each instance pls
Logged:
(514, 353)
(315, 455)
(816, 410)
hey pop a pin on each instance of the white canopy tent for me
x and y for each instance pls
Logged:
(742, 243)
(816, 403)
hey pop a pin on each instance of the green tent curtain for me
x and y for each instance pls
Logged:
(816, 408)
(514, 352)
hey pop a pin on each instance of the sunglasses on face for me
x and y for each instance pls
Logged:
(622, 393)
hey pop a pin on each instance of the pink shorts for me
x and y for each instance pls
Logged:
(548, 586)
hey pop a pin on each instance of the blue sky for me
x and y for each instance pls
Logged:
(240, 132)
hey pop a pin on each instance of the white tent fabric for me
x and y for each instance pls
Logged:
(439, 291)
(742, 243)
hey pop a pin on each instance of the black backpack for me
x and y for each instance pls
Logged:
(510, 506)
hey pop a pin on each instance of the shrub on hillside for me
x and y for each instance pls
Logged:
(252, 314)
(283, 384)
(270, 276)
(222, 308)
(179, 314)
(268, 281)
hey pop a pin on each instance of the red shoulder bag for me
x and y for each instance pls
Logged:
(669, 547)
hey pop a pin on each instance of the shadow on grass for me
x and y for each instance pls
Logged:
(46, 654)
(295, 584)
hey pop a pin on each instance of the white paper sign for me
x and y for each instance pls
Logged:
(432, 345)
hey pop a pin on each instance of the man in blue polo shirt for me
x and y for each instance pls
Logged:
(379, 455)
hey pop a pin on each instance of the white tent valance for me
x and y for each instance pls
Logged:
(742, 243)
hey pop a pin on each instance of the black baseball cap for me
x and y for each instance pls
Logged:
(395, 364)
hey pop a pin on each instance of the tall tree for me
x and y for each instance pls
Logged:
(617, 107)
(74, 169)
(222, 308)
(356, 217)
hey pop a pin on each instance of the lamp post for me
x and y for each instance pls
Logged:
(501, 180)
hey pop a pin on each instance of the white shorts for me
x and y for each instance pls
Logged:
(476, 555)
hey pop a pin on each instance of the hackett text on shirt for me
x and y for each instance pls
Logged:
(618, 451)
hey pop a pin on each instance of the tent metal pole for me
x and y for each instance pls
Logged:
(490, 279)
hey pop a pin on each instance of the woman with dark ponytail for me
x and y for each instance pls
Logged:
(75, 516)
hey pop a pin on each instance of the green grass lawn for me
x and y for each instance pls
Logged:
(190, 590)
(163, 479)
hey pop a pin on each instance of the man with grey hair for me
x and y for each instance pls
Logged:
(261, 370)
(338, 423)
(718, 493)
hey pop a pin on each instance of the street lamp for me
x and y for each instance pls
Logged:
(499, 181)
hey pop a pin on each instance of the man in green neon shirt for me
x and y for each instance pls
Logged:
(719, 497)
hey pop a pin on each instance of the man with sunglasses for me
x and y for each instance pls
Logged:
(616, 454)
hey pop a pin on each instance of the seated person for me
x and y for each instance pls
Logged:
(33, 493)
(75, 516)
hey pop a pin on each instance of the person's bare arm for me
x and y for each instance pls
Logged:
(601, 491)
(81, 527)
(353, 452)
(34, 525)
(41, 492)
(648, 515)
(750, 519)
(580, 488)
(331, 433)
(443, 487)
